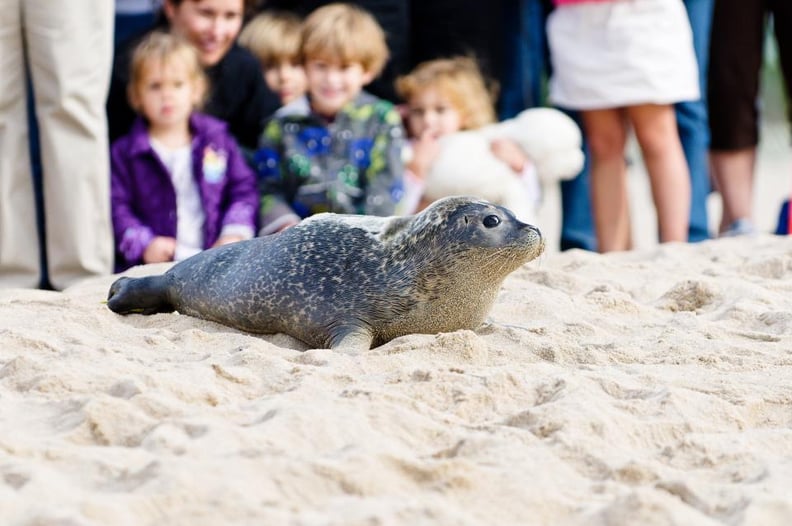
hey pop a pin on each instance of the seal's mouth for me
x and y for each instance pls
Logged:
(532, 239)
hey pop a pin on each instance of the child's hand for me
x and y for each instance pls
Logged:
(224, 240)
(510, 153)
(160, 249)
(425, 151)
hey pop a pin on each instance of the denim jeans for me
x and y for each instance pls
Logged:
(522, 86)
(693, 124)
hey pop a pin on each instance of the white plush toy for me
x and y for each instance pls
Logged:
(467, 166)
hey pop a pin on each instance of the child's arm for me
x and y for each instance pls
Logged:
(275, 214)
(132, 236)
(386, 169)
(510, 153)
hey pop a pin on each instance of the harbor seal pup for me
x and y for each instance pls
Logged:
(349, 282)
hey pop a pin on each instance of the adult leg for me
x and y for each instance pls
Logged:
(70, 54)
(733, 171)
(523, 82)
(606, 131)
(656, 130)
(732, 89)
(692, 121)
(19, 252)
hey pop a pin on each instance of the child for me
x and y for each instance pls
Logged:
(625, 63)
(178, 183)
(338, 148)
(274, 38)
(444, 96)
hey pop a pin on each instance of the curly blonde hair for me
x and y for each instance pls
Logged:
(460, 80)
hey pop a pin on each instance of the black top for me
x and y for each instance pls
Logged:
(237, 94)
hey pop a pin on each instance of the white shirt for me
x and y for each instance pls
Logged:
(189, 209)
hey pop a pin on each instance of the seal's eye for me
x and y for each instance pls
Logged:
(491, 221)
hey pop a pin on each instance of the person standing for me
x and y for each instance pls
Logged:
(67, 48)
(524, 71)
(623, 64)
(693, 121)
(738, 35)
(522, 86)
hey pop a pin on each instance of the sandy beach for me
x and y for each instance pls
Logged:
(650, 387)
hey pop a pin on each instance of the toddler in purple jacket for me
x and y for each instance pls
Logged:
(179, 183)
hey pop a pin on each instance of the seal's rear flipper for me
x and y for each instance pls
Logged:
(139, 296)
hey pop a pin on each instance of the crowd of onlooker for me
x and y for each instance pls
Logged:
(151, 130)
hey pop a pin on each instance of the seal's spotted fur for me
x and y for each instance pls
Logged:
(349, 282)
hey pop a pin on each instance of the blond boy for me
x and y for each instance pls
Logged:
(274, 38)
(337, 148)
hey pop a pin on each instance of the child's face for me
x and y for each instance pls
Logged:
(166, 93)
(211, 26)
(431, 112)
(287, 79)
(332, 84)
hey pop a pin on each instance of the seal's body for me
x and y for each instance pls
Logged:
(346, 281)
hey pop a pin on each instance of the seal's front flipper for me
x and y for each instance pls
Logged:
(350, 339)
(139, 296)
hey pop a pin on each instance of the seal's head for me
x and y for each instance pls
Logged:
(465, 227)
(448, 262)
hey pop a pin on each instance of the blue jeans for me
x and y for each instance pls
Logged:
(522, 86)
(693, 123)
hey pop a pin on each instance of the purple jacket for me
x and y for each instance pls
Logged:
(143, 198)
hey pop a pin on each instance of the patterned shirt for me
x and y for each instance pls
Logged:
(351, 165)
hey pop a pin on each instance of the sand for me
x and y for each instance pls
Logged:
(651, 387)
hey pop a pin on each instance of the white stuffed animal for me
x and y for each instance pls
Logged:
(466, 165)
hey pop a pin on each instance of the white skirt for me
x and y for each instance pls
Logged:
(621, 53)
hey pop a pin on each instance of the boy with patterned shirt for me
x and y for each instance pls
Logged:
(338, 148)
